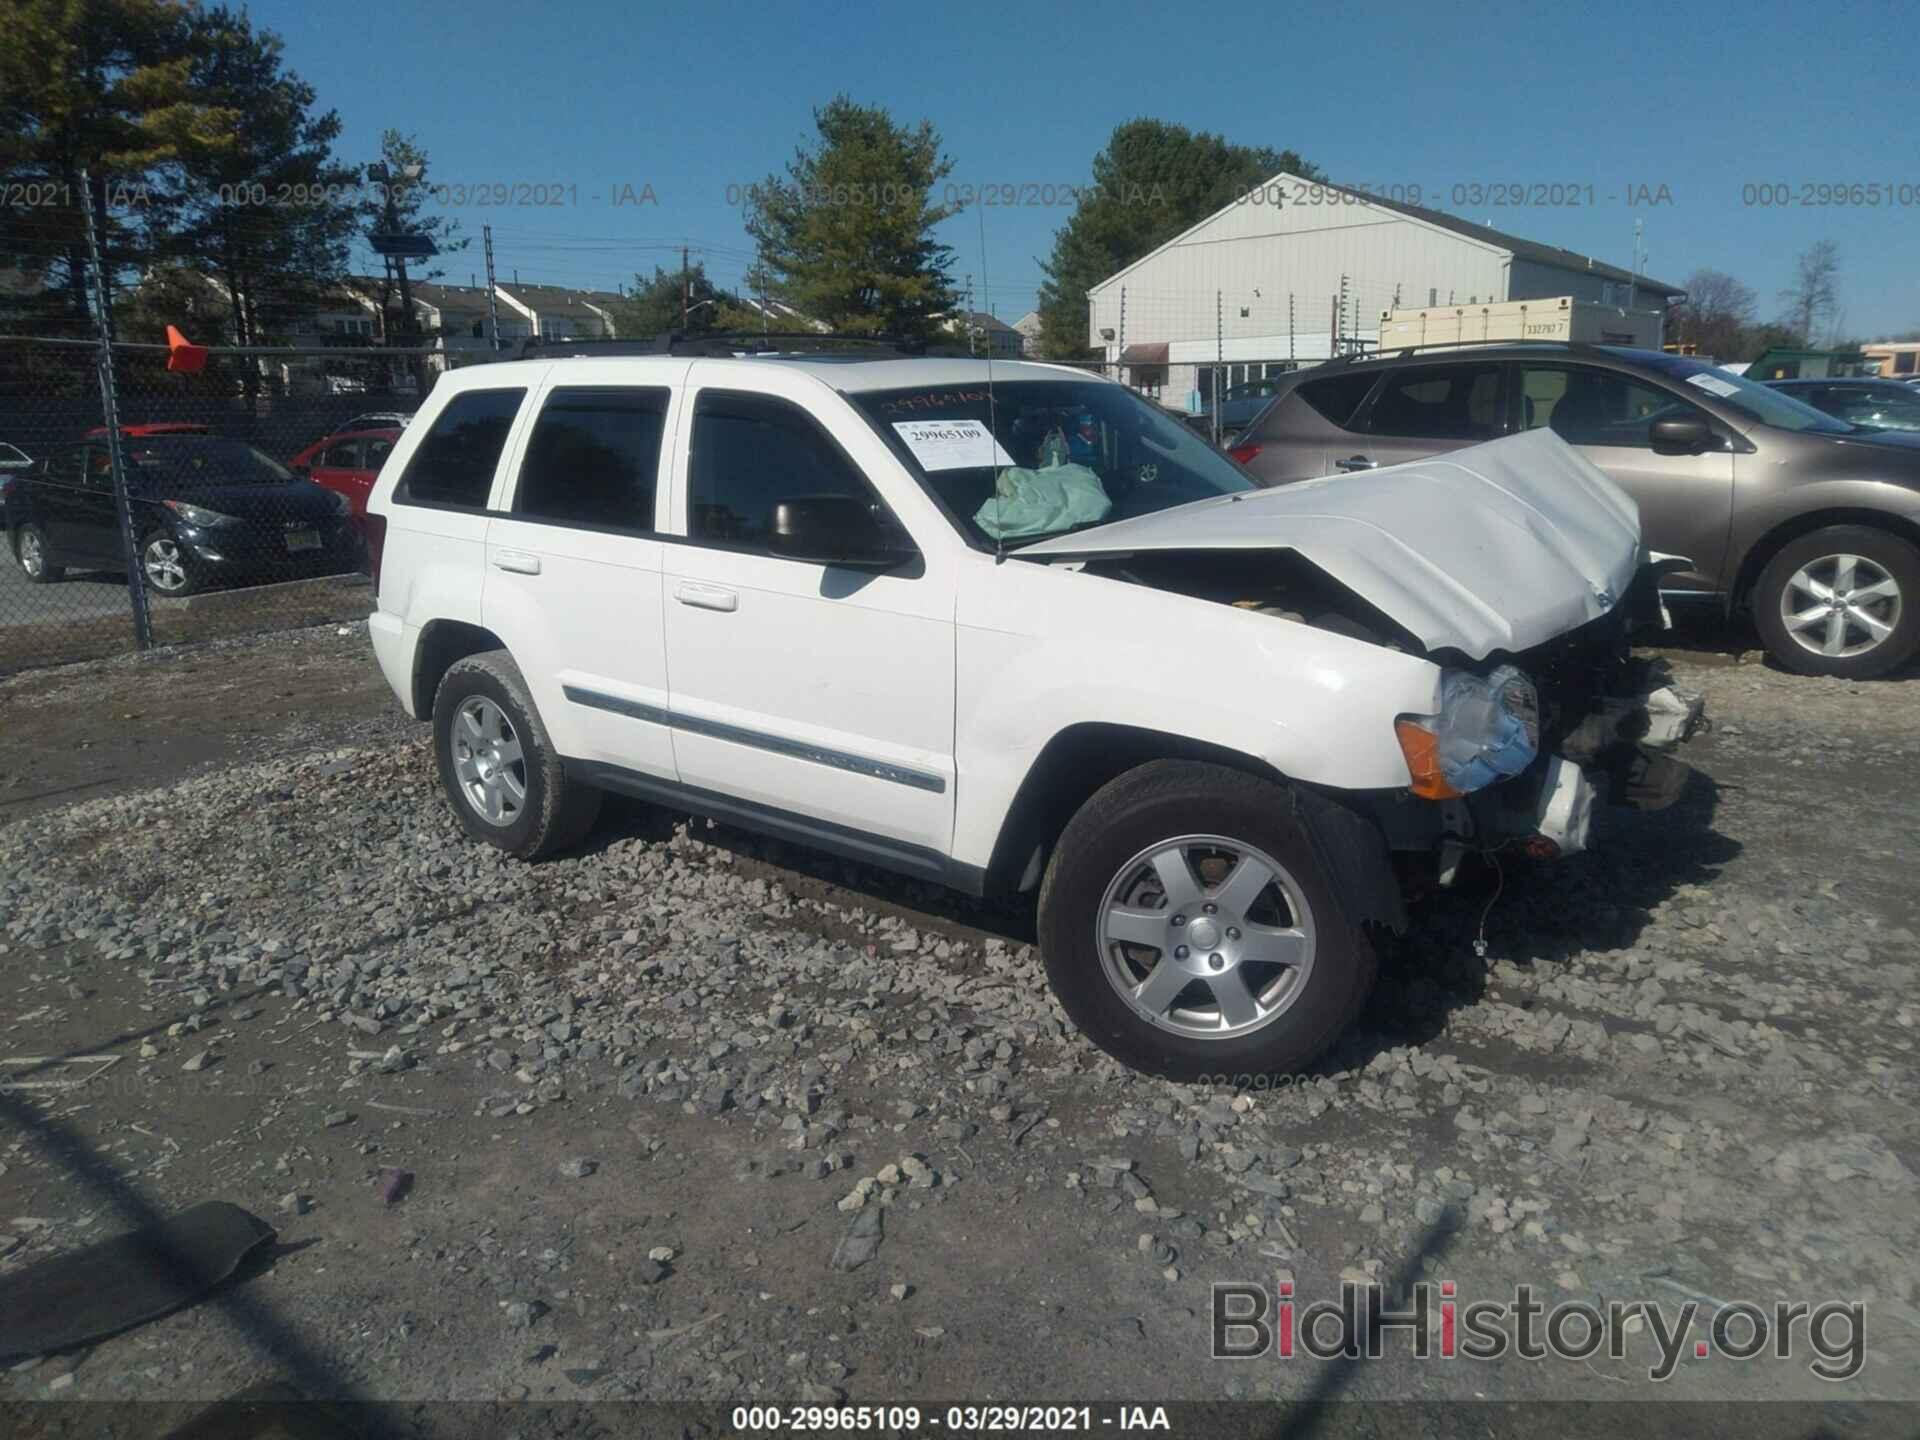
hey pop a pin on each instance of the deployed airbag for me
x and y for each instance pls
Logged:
(1042, 502)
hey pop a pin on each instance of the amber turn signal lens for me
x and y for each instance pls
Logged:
(1422, 749)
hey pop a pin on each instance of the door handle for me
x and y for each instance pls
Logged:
(1354, 462)
(519, 562)
(707, 597)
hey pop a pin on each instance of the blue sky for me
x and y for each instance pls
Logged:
(683, 105)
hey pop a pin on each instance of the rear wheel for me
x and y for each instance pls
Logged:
(502, 776)
(30, 550)
(1842, 601)
(1190, 929)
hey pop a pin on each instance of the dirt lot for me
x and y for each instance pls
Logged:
(636, 1091)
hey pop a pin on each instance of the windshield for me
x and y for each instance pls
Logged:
(1755, 401)
(1047, 456)
(205, 461)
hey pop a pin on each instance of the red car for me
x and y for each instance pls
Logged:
(347, 463)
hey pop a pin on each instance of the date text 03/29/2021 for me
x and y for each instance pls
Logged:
(956, 1419)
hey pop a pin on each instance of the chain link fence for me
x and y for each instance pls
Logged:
(229, 501)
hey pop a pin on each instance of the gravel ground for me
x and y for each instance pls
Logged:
(694, 1116)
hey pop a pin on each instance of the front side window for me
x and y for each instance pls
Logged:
(453, 468)
(1596, 407)
(1439, 402)
(594, 458)
(1043, 457)
(751, 452)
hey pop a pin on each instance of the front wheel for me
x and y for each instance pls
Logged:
(1842, 601)
(1191, 930)
(169, 567)
(502, 776)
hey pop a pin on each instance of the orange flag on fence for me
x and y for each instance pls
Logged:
(183, 355)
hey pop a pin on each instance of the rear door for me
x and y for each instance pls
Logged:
(1686, 501)
(573, 566)
(1422, 410)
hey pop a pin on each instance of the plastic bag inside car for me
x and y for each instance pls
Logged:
(1058, 496)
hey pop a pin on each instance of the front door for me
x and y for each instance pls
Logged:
(814, 690)
(1686, 501)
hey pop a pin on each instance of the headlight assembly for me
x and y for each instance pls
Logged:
(1487, 729)
(196, 514)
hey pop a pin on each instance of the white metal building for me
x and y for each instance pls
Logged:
(1296, 271)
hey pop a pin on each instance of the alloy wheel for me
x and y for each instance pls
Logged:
(1206, 936)
(489, 762)
(166, 567)
(1840, 605)
(32, 558)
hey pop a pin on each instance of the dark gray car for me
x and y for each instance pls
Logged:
(1808, 523)
(1874, 404)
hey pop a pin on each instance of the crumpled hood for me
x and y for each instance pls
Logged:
(1498, 546)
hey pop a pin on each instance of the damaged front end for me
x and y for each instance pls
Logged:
(1603, 727)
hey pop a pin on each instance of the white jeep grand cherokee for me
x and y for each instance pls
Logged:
(1016, 629)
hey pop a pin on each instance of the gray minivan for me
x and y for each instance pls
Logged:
(1808, 523)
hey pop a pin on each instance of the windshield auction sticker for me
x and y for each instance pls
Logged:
(1714, 385)
(952, 444)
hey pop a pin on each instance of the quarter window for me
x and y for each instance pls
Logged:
(594, 459)
(453, 468)
(1440, 402)
(749, 454)
(1596, 407)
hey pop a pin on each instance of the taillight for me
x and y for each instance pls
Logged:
(1244, 453)
(374, 530)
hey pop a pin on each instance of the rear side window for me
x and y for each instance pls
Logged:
(1337, 396)
(344, 456)
(594, 458)
(1440, 402)
(453, 468)
(750, 453)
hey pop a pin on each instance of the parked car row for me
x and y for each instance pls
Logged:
(1806, 520)
(205, 508)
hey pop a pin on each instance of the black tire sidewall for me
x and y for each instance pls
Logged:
(462, 683)
(1256, 812)
(1897, 556)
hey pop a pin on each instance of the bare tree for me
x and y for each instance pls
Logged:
(1715, 311)
(1815, 292)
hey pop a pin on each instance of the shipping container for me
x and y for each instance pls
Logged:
(1558, 318)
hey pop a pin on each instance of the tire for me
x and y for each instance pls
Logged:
(513, 792)
(30, 552)
(1108, 857)
(168, 568)
(1864, 638)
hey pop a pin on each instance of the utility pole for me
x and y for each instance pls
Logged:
(493, 305)
(686, 290)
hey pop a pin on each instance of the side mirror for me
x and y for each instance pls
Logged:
(837, 530)
(1688, 436)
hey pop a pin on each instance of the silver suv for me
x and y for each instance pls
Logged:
(1806, 522)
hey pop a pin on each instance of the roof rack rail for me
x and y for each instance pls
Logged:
(1391, 351)
(737, 343)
